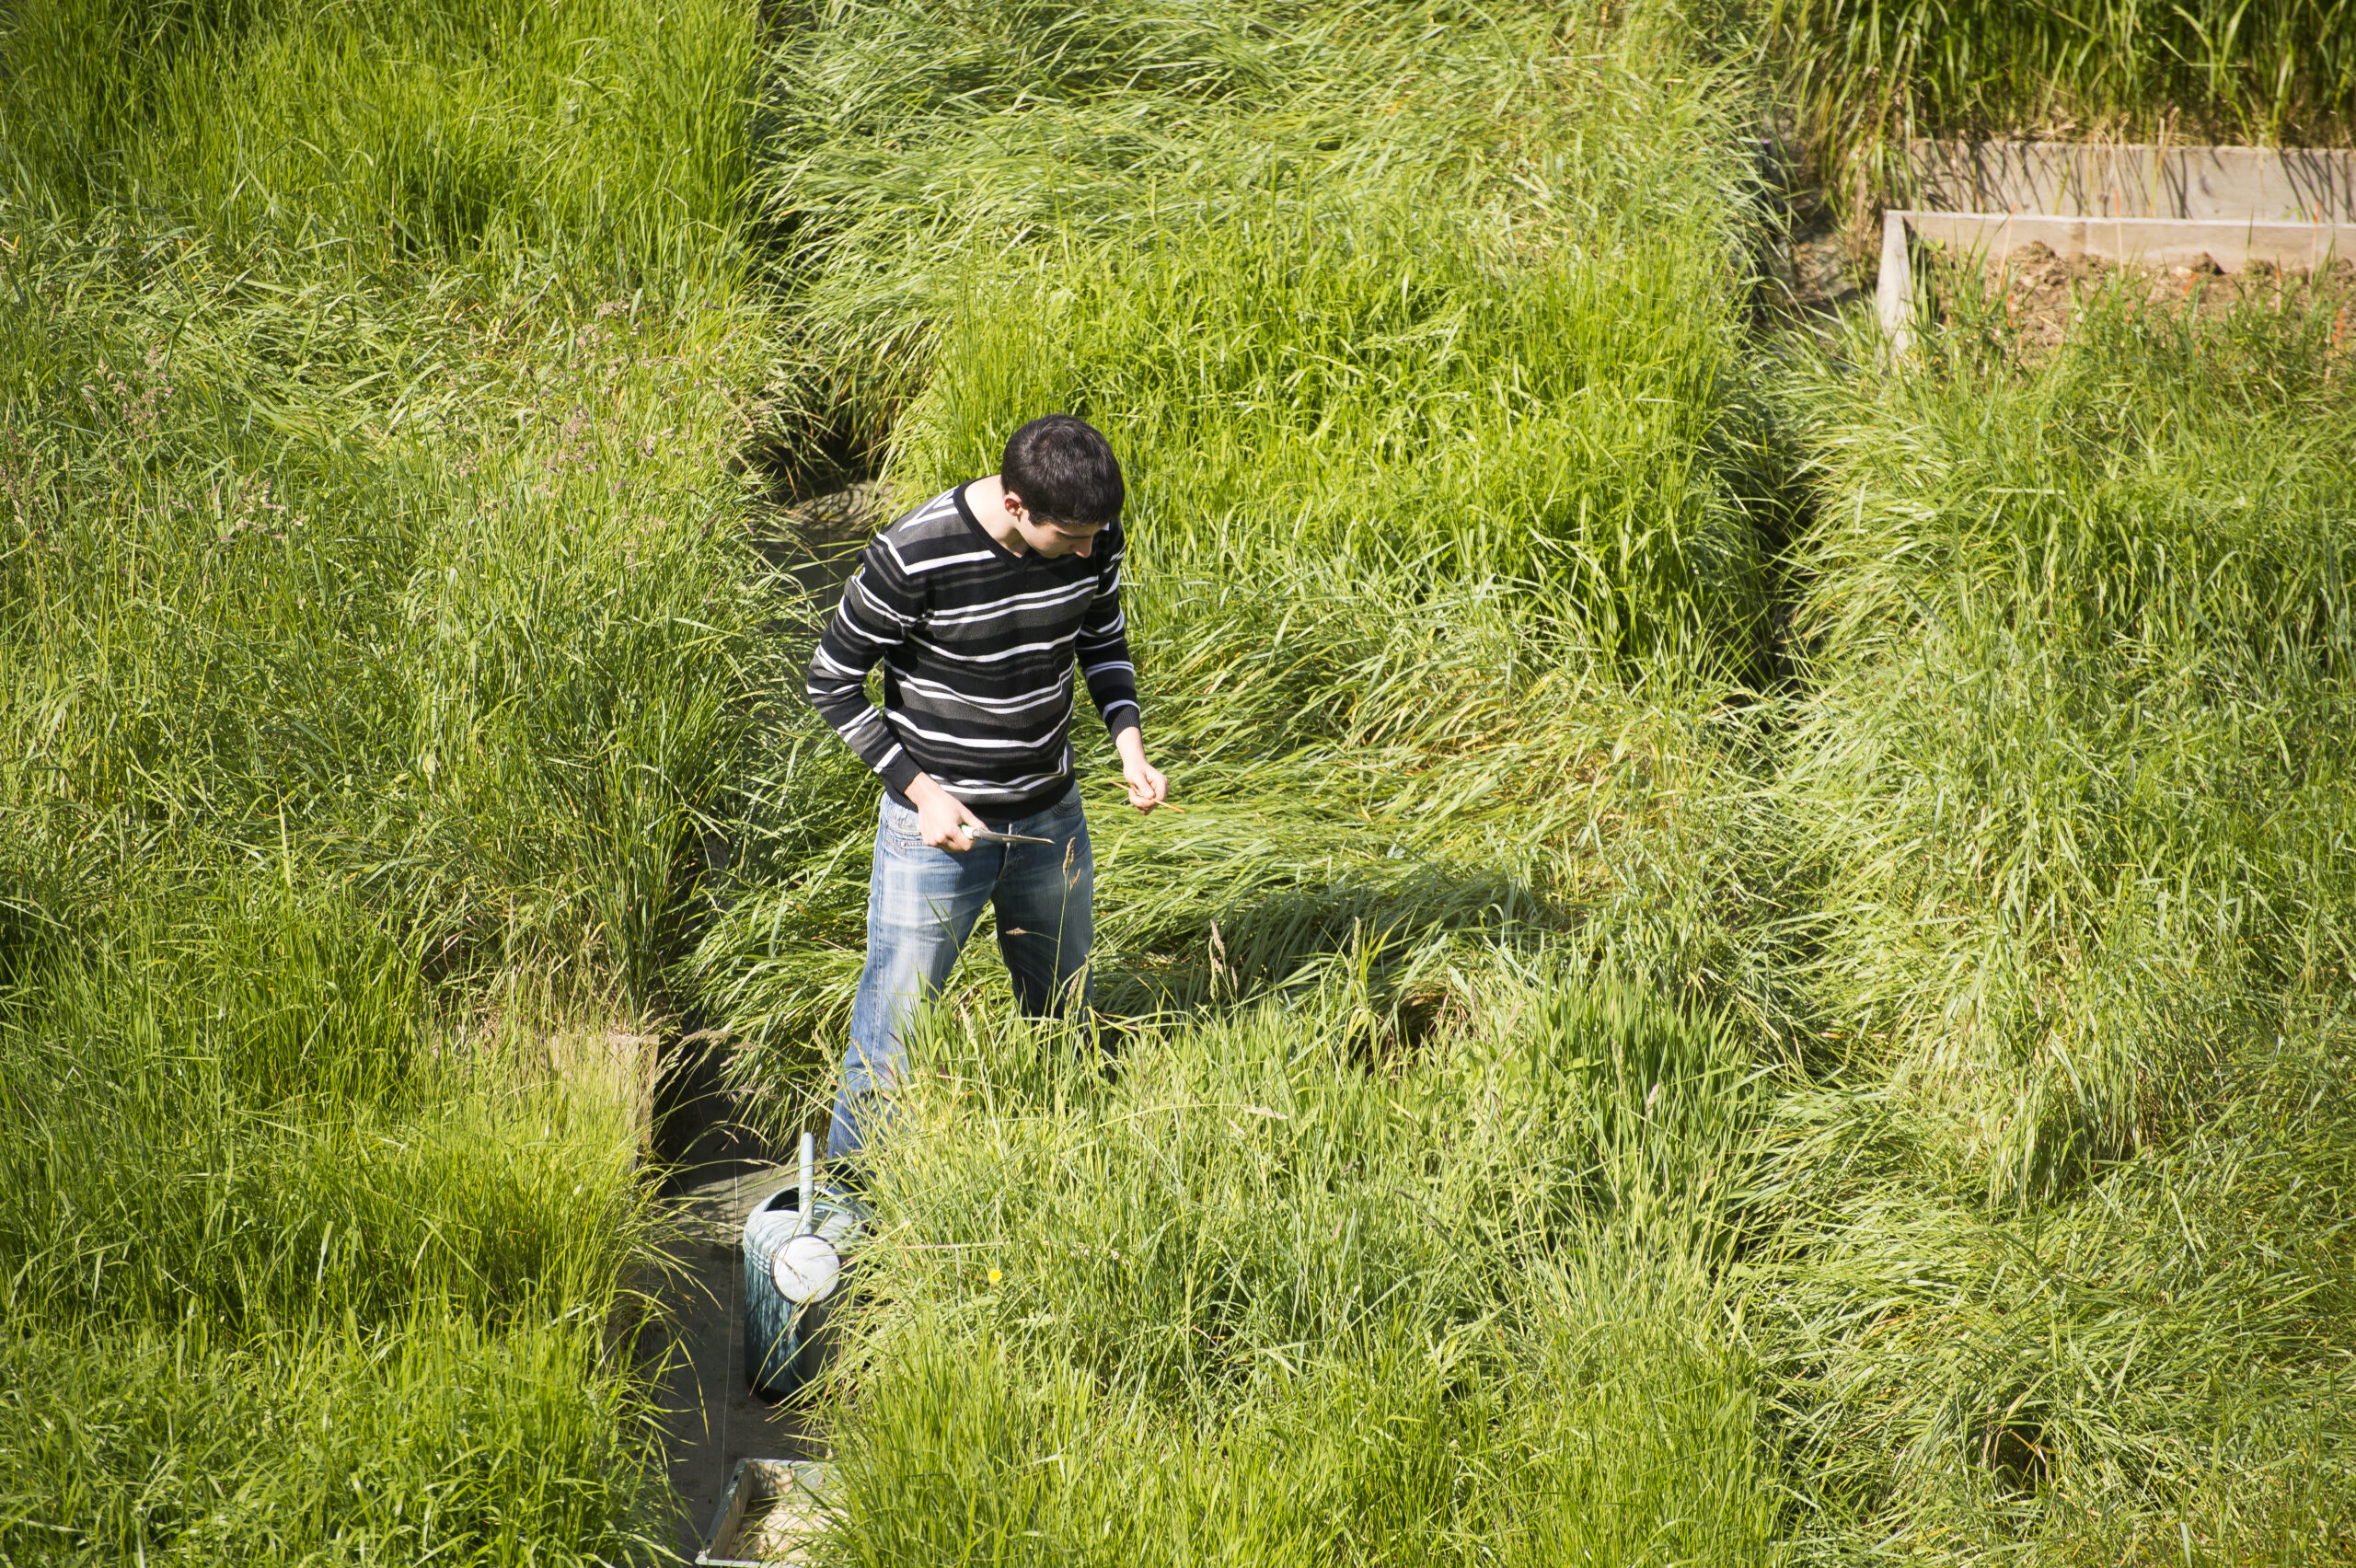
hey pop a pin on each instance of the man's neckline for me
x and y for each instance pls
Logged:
(966, 511)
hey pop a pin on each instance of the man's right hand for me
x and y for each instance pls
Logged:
(941, 817)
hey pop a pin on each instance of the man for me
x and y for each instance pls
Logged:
(978, 604)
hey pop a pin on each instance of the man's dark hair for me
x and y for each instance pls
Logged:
(1064, 470)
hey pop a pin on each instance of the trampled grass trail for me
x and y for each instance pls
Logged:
(1754, 966)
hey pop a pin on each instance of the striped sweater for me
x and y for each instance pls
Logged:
(977, 646)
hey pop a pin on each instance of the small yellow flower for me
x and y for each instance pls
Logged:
(996, 1276)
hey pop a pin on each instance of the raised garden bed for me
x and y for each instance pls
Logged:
(2200, 211)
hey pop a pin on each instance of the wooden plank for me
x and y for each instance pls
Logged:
(2097, 179)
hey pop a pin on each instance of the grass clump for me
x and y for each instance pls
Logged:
(428, 1437)
(902, 143)
(1357, 383)
(1259, 1301)
(368, 377)
(2085, 639)
(294, 1266)
(2072, 1280)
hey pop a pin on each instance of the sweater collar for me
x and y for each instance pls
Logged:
(966, 511)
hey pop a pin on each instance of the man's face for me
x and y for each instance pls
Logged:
(1052, 538)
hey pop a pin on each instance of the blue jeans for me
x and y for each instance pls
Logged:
(921, 905)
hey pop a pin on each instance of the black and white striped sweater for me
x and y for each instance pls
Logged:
(977, 645)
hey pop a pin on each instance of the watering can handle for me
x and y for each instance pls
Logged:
(809, 1218)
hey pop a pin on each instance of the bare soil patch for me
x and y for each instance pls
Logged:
(2036, 297)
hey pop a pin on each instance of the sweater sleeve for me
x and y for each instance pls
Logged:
(1102, 646)
(879, 605)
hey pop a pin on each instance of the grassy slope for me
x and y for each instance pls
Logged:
(366, 384)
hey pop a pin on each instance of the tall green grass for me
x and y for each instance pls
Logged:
(2068, 1268)
(297, 1264)
(430, 1439)
(1451, 503)
(1264, 1301)
(1862, 77)
(610, 132)
(2028, 1245)
(901, 144)
(1395, 1237)
(1356, 382)
(1672, 1027)
(2084, 649)
(387, 561)
(369, 377)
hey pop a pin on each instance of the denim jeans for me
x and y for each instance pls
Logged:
(921, 905)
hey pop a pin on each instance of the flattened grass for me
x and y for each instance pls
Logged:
(901, 143)
(1450, 501)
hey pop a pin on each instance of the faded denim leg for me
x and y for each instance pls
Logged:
(1046, 912)
(921, 905)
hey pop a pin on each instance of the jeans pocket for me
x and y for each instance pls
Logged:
(900, 827)
(1068, 806)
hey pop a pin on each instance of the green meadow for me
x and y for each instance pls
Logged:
(1750, 960)
(371, 610)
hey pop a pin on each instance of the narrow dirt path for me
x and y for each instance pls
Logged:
(711, 1418)
(719, 1166)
